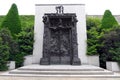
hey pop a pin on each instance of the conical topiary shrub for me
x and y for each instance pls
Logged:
(12, 21)
(108, 20)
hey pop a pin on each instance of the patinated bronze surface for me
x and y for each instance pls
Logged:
(60, 39)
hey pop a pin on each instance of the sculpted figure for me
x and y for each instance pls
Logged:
(59, 9)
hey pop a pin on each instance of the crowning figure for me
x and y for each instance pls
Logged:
(59, 9)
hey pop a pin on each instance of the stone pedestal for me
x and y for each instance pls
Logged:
(11, 65)
(28, 60)
(113, 66)
(94, 60)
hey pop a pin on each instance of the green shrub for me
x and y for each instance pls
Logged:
(19, 59)
(115, 54)
(93, 35)
(108, 21)
(12, 21)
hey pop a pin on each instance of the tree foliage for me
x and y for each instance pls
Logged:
(12, 21)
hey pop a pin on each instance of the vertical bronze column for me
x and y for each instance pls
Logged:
(75, 59)
(45, 58)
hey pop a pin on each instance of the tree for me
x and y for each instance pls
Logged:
(12, 21)
(108, 21)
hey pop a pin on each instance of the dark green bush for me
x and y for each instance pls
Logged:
(4, 55)
(111, 43)
(12, 21)
(19, 59)
(25, 40)
(12, 44)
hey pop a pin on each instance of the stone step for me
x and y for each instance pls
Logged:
(62, 72)
(61, 68)
(115, 75)
(83, 71)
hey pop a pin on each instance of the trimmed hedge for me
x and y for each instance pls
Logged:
(108, 21)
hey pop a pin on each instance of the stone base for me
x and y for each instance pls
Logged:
(63, 61)
(76, 61)
(44, 61)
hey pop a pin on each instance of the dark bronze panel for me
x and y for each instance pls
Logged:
(60, 39)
